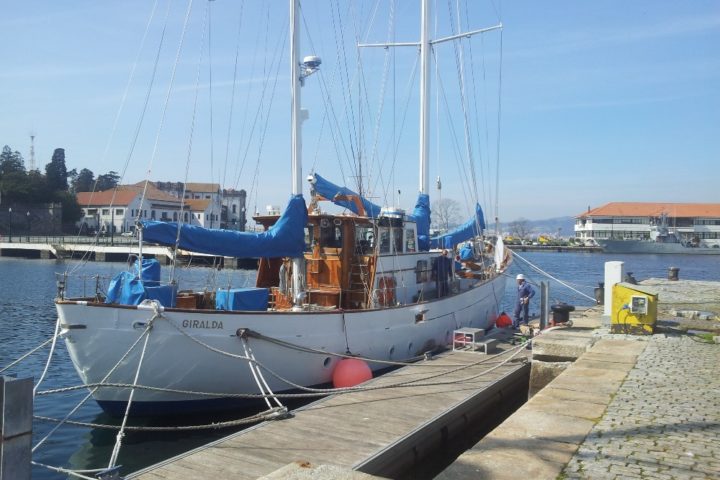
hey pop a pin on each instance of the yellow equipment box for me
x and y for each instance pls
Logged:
(634, 309)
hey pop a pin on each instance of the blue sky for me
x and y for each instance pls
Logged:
(601, 101)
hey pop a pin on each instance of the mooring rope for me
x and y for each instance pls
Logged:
(85, 399)
(540, 270)
(49, 359)
(121, 433)
(23, 357)
(258, 376)
(74, 473)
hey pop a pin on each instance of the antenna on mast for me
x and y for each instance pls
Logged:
(32, 151)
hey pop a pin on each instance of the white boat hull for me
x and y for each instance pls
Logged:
(97, 336)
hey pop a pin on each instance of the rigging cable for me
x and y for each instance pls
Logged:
(86, 256)
(190, 145)
(165, 105)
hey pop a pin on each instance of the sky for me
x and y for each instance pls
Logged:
(596, 101)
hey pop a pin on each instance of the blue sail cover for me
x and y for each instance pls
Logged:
(284, 239)
(466, 231)
(329, 190)
(421, 215)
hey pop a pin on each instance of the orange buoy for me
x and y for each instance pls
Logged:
(503, 320)
(350, 372)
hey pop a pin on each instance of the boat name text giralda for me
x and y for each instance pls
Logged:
(202, 324)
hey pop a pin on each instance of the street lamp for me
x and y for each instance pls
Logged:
(28, 224)
(10, 212)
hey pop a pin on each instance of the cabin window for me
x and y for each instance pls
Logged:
(330, 234)
(384, 240)
(309, 238)
(409, 240)
(421, 271)
(364, 240)
(397, 233)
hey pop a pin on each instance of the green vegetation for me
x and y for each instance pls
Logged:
(18, 185)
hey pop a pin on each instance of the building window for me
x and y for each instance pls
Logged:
(152, 214)
(207, 196)
(119, 211)
(234, 209)
(174, 216)
(185, 216)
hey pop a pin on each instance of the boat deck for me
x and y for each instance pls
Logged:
(380, 432)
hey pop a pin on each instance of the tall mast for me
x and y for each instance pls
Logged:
(424, 95)
(296, 84)
(425, 45)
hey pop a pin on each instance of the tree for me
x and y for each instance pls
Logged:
(107, 181)
(446, 213)
(56, 172)
(11, 161)
(520, 228)
(83, 181)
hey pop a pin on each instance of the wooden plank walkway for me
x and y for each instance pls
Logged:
(374, 431)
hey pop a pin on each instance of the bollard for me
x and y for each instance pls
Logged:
(674, 273)
(600, 293)
(16, 409)
(544, 304)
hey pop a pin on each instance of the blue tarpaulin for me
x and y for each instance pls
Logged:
(466, 231)
(421, 215)
(253, 299)
(150, 272)
(126, 288)
(466, 252)
(329, 190)
(284, 239)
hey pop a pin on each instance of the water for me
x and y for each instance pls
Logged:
(27, 318)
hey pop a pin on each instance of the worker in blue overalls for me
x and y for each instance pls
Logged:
(522, 305)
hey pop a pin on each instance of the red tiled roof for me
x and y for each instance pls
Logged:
(202, 187)
(197, 204)
(648, 209)
(103, 199)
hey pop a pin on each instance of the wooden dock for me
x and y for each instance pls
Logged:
(380, 432)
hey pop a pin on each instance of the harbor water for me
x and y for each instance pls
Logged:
(27, 318)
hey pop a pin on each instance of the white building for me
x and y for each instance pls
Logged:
(233, 209)
(691, 222)
(117, 210)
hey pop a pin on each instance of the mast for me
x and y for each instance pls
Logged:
(425, 44)
(424, 95)
(295, 135)
(298, 72)
(296, 85)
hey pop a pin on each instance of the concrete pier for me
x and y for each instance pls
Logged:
(629, 407)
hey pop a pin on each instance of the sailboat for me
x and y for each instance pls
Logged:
(362, 284)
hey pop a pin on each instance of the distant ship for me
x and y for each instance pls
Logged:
(661, 241)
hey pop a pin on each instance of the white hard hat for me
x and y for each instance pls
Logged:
(520, 277)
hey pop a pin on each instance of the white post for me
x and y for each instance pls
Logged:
(614, 272)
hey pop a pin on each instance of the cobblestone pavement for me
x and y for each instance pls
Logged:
(664, 422)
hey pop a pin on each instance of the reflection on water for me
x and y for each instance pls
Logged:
(27, 318)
